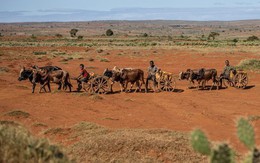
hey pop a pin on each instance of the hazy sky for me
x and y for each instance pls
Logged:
(30, 5)
(65, 10)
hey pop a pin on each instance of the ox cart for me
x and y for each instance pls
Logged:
(97, 84)
(165, 81)
(238, 79)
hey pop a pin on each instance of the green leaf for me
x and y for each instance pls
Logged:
(245, 133)
(200, 142)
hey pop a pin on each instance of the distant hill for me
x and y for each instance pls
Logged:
(199, 14)
(227, 29)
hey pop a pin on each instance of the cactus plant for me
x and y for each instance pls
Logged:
(245, 133)
(223, 154)
(200, 142)
(256, 156)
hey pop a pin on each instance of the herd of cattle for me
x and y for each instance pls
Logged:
(53, 74)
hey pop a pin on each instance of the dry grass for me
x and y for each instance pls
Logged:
(95, 97)
(54, 131)
(4, 69)
(18, 145)
(22, 87)
(18, 114)
(104, 60)
(39, 125)
(99, 144)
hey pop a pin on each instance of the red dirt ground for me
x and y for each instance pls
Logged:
(213, 111)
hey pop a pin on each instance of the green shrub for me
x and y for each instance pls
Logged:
(252, 38)
(235, 40)
(249, 64)
(109, 32)
(73, 32)
(213, 35)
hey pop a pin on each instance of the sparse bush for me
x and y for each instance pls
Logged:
(252, 38)
(100, 50)
(145, 35)
(154, 44)
(4, 69)
(18, 145)
(39, 53)
(213, 35)
(33, 37)
(249, 64)
(58, 35)
(170, 38)
(80, 37)
(109, 32)
(73, 32)
(235, 40)
(104, 60)
(91, 59)
(18, 114)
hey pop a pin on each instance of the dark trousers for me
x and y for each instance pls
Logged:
(152, 78)
(224, 76)
(80, 81)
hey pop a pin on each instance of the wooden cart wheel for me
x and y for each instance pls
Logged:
(227, 83)
(100, 85)
(241, 80)
(167, 84)
(87, 87)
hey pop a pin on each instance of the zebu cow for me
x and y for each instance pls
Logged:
(187, 76)
(128, 75)
(109, 73)
(27, 73)
(201, 76)
(60, 77)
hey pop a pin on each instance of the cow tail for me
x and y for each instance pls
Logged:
(68, 80)
(143, 78)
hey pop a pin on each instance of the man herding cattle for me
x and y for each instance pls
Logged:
(152, 69)
(226, 72)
